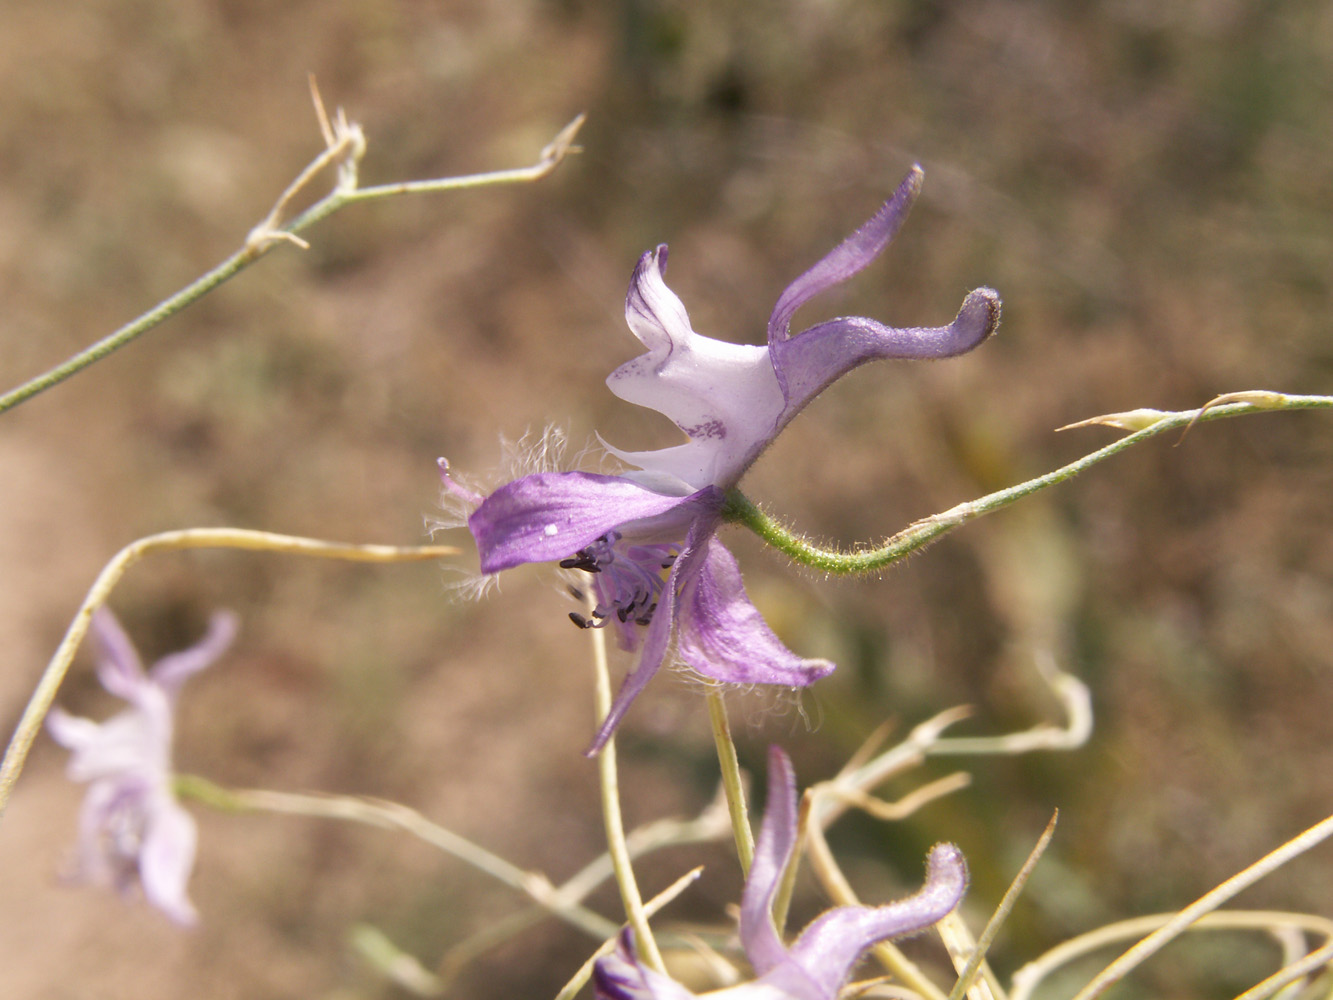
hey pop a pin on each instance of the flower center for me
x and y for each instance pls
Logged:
(121, 830)
(627, 579)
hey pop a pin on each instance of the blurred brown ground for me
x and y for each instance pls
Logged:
(1148, 186)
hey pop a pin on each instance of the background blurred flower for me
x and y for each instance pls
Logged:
(130, 823)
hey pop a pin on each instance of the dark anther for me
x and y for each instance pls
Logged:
(575, 593)
(582, 559)
(622, 614)
(579, 620)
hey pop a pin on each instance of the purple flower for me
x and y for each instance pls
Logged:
(647, 537)
(130, 823)
(820, 961)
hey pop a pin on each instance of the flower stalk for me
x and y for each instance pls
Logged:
(1145, 424)
(731, 777)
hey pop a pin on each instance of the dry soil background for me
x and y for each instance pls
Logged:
(1149, 188)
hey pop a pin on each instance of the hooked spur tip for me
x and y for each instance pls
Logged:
(978, 317)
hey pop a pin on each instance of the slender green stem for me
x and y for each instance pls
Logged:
(193, 538)
(731, 777)
(611, 817)
(344, 149)
(1144, 423)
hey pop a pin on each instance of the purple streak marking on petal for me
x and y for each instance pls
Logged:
(621, 976)
(653, 311)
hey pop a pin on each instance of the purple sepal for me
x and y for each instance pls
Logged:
(551, 515)
(723, 636)
(852, 255)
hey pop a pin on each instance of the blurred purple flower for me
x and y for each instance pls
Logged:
(647, 537)
(820, 961)
(130, 823)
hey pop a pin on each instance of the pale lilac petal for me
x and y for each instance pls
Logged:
(653, 311)
(131, 743)
(118, 668)
(658, 636)
(551, 515)
(772, 853)
(723, 636)
(827, 951)
(167, 858)
(810, 361)
(170, 672)
(71, 731)
(725, 397)
(620, 976)
(848, 257)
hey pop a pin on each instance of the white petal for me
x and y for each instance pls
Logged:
(725, 397)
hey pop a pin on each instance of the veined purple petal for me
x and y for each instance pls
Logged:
(810, 361)
(829, 948)
(551, 515)
(658, 637)
(170, 672)
(772, 853)
(723, 636)
(848, 257)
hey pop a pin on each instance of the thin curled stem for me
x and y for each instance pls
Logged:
(1210, 901)
(1027, 979)
(168, 541)
(1144, 424)
(345, 145)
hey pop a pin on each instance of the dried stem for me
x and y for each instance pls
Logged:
(345, 145)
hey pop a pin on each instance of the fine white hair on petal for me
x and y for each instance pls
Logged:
(469, 585)
(534, 451)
